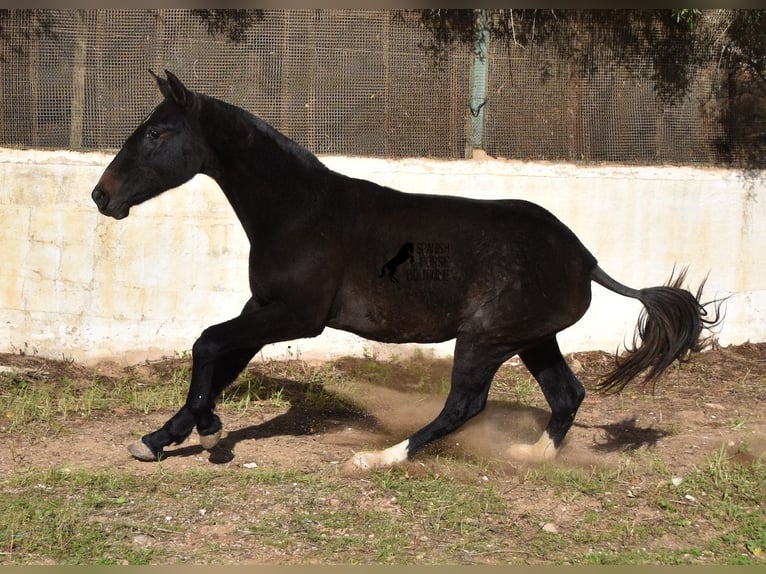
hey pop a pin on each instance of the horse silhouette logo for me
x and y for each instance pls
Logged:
(406, 252)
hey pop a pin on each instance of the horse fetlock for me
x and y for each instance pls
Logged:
(209, 424)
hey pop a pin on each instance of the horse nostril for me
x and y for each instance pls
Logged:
(100, 198)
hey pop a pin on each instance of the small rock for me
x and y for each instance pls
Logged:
(550, 528)
(690, 498)
(142, 540)
(676, 481)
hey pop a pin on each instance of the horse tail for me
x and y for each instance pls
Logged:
(669, 328)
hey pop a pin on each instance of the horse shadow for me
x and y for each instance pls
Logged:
(626, 436)
(313, 409)
(316, 409)
(505, 422)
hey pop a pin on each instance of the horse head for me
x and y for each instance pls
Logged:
(165, 151)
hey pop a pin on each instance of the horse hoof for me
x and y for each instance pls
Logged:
(141, 451)
(380, 458)
(209, 441)
(523, 453)
(360, 461)
(363, 461)
(541, 451)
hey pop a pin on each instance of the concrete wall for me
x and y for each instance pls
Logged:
(78, 285)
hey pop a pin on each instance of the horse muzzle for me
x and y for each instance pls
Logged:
(103, 201)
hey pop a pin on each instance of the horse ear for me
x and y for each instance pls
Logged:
(172, 88)
(177, 89)
(162, 84)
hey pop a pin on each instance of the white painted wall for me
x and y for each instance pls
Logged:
(79, 285)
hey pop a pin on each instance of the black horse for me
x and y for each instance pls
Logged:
(512, 275)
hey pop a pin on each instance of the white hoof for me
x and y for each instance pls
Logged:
(142, 452)
(208, 441)
(365, 460)
(542, 451)
(380, 458)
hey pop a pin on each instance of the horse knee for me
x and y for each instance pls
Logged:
(205, 347)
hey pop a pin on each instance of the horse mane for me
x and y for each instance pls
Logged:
(255, 131)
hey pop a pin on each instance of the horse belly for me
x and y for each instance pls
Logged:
(404, 316)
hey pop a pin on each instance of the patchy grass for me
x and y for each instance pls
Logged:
(399, 516)
(51, 517)
(42, 403)
(446, 507)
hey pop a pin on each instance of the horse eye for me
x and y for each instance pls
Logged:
(152, 133)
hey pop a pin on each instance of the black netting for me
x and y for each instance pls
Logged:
(353, 82)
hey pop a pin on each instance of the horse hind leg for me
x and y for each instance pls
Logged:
(564, 394)
(472, 374)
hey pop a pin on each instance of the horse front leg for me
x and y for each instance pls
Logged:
(180, 426)
(218, 356)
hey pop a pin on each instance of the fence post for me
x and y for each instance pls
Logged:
(78, 82)
(477, 100)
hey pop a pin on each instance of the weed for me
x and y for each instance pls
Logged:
(739, 424)
(590, 482)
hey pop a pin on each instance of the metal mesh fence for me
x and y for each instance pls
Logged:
(348, 82)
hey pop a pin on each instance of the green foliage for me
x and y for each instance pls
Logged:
(688, 16)
(676, 42)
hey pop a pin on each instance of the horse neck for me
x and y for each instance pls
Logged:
(259, 169)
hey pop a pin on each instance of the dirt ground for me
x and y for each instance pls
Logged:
(716, 399)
